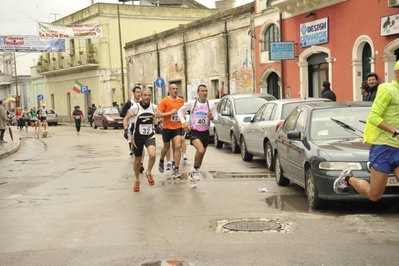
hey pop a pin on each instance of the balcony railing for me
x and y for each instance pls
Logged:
(64, 61)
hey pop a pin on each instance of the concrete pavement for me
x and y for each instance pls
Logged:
(12, 146)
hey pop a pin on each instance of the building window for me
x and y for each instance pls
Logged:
(268, 3)
(272, 34)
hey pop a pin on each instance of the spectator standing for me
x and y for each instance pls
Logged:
(372, 81)
(77, 114)
(90, 116)
(202, 113)
(327, 92)
(143, 115)
(365, 91)
(93, 109)
(382, 132)
(3, 122)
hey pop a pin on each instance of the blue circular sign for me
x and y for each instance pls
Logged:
(40, 97)
(160, 82)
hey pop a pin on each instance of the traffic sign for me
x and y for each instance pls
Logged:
(85, 89)
(160, 82)
(40, 97)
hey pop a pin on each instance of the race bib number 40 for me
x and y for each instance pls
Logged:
(145, 129)
(201, 120)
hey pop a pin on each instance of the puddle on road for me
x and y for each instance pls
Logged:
(292, 203)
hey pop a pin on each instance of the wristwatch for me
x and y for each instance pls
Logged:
(396, 132)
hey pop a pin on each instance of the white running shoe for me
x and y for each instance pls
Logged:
(193, 184)
(195, 174)
(169, 166)
(340, 183)
(184, 156)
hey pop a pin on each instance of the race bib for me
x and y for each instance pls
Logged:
(145, 129)
(201, 120)
(174, 118)
(77, 116)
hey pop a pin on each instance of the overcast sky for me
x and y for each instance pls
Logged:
(18, 17)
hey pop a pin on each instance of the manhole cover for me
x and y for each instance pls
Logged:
(252, 226)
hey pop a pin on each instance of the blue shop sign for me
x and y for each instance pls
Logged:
(314, 32)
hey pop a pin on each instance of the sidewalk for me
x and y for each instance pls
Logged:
(6, 149)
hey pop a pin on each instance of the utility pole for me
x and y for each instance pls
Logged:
(55, 15)
(121, 56)
(16, 82)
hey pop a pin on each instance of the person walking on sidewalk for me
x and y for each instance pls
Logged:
(202, 112)
(77, 115)
(143, 134)
(382, 132)
(172, 128)
(3, 122)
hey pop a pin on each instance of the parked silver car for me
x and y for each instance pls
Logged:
(52, 117)
(212, 125)
(232, 110)
(258, 137)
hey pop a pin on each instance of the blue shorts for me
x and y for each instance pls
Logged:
(383, 158)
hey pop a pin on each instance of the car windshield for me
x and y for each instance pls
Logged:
(111, 111)
(322, 127)
(249, 105)
(288, 107)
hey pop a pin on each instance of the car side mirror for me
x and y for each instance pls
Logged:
(247, 119)
(294, 135)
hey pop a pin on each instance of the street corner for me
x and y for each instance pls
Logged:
(10, 147)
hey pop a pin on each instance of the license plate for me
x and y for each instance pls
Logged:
(392, 182)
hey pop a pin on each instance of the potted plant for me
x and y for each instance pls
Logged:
(53, 58)
(40, 61)
(92, 50)
(62, 57)
(79, 62)
(71, 55)
(70, 64)
(80, 52)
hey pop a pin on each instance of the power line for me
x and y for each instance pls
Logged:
(17, 10)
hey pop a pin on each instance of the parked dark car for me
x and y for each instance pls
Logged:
(232, 110)
(318, 140)
(106, 117)
(257, 138)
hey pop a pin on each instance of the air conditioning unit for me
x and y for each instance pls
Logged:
(393, 3)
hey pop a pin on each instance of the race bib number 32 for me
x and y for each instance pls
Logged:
(145, 129)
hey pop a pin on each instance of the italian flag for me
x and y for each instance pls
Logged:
(77, 87)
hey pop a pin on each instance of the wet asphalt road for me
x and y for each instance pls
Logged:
(68, 200)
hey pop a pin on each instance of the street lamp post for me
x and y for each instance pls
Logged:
(16, 82)
(121, 56)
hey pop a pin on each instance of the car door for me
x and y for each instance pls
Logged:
(227, 121)
(296, 150)
(283, 143)
(259, 133)
(252, 128)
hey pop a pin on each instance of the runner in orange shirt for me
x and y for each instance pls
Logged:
(172, 127)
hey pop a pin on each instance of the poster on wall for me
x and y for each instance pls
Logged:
(30, 44)
(389, 25)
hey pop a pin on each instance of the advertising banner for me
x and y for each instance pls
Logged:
(88, 31)
(314, 32)
(282, 50)
(30, 44)
(389, 25)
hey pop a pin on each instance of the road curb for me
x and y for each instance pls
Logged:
(11, 149)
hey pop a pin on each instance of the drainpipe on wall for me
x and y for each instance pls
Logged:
(282, 61)
(159, 69)
(227, 83)
(185, 66)
(252, 36)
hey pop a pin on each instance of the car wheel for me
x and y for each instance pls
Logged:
(234, 145)
(216, 141)
(269, 156)
(312, 192)
(245, 155)
(280, 179)
(104, 125)
(56, 124)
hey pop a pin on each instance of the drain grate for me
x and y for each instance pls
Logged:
(252, 226)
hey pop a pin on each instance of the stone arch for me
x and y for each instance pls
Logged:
(303, 67)
(389, 59)
(357, 51)
(263, 79)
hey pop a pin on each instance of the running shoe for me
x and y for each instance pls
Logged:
(141, 169)
(193, 184)
(340, 183)
(195, 174)
(184, 156)
(136, 187)
(131, 153)
(176, 173)
(173, 164)
(161, 167)
(168, 166)
(150, 179)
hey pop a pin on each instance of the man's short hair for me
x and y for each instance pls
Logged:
(201, 85)
(135, 88)
(372, 74)
(145, 89)
(326, 84)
